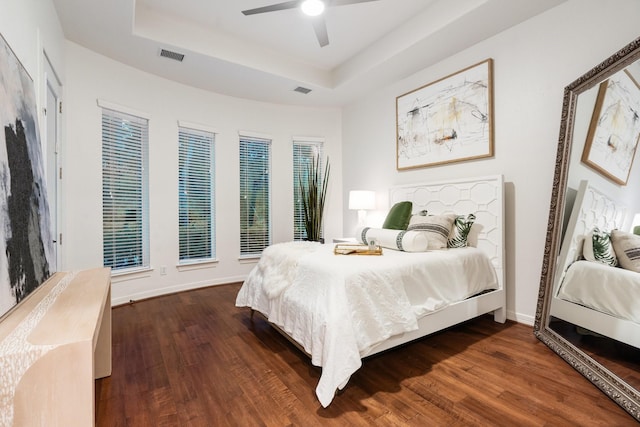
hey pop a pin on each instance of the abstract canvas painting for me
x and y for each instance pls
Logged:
(446, 121)
(26, 243)
(614, 132)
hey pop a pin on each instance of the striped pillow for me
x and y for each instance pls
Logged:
(627, 247)
(437, 228)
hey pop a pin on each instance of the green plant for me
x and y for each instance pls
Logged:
(313, 192)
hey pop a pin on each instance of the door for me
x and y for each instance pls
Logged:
(51, 146)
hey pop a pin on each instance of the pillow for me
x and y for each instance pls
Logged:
(460, 231)
(401, 240)
(436, 227)
(627, 247)
(398, 216)
(597, 247)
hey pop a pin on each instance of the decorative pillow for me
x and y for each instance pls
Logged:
(627, 247)
(401, 240)
(436, 227)
(398, 216)
(460, 231)
(597, 247)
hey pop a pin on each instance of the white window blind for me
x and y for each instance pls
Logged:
(304, 153)
(125, 196)
(196, 195)
(255, 195)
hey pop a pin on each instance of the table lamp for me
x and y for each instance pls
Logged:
(362, 201)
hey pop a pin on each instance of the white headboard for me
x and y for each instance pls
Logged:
(482, 196)
(592, 208)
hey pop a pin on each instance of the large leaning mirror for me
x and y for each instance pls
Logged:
(589, 301)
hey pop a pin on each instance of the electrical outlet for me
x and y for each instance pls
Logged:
(163, 270)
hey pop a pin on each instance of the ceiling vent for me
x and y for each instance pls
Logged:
(172, 55)
(301, 89)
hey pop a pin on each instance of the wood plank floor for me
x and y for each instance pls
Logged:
(194, 359)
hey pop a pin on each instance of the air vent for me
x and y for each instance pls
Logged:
(302, 90)
(172, 55)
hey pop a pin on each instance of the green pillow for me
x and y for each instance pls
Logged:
(399, 216)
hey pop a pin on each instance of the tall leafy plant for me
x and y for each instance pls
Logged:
(313, 192)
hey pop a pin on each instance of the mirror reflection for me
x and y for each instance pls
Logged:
(595, 300)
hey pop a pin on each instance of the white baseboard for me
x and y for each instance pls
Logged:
(173, 289)
(520, 318)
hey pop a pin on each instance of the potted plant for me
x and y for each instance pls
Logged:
(313, 189)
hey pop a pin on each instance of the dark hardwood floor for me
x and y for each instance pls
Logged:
(194, 359)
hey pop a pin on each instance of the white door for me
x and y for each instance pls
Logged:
(51, 146)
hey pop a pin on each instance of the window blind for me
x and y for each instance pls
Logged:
(196, 195)
(304, 153)
(255, 195)
(125, 196)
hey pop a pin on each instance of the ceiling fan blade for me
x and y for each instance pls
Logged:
(346, 2)
(320, 27)
(274, 7)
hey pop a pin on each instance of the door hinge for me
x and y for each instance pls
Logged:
(60, 177)
(60, 107)
(60, 239)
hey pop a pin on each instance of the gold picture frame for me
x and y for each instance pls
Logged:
(448, 120)
(614, 131)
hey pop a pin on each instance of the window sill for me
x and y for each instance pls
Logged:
(197, 265)
(134, 273)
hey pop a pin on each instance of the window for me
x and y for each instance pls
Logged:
(255, 195)
(196, 195)
(304, 152)
(125, 200)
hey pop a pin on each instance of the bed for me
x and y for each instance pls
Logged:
(340, 309)
(593, 296)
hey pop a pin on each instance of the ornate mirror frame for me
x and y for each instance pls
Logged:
(618, 390)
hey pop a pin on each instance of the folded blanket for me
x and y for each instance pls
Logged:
(278, 263)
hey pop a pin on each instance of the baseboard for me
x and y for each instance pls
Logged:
(127, 299)
(520, 318)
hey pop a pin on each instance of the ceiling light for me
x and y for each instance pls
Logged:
(312, 7)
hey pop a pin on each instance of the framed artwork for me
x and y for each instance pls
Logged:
(26, 244)
(613, 134)
(449, 120)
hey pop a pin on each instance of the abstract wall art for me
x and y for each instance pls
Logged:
(26, 243)
(614, 131)
(449, 120)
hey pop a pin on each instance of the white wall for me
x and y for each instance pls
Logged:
(533, 62)
(31, 28)
(93, 77)
(627, 195)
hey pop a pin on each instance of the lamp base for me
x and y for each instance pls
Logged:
(362, 218)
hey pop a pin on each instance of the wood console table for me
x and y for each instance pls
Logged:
(53, 347)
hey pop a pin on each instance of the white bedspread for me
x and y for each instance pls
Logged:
(339, 306)
(611, 290)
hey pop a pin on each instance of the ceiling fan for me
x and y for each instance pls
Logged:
(312, 8)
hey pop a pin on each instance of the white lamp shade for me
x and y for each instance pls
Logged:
(362, 200)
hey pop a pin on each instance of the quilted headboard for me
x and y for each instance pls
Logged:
(482, 196)
(592, 208)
